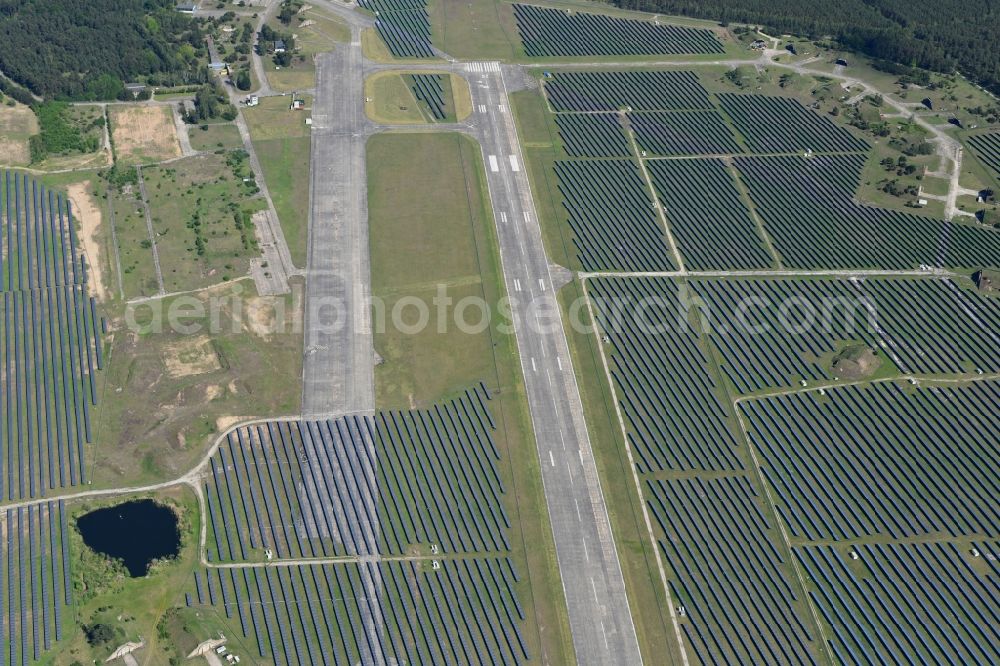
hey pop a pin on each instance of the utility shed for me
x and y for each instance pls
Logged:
(987, 281)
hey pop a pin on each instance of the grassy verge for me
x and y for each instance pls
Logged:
(281, 140)
(322, 32)
(273, 119)
(540, 146)
(434, 226)
(300, 75)
(475, 30)
(389, 99)
(374, 48)
(420, 239)
(286, 170)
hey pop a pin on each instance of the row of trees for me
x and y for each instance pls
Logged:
(939, 35)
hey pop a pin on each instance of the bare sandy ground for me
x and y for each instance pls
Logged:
(17, 123)
(88, 214)
(191, 356)
(14, 152)
(145, 133)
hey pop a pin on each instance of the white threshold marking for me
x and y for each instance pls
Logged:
(503, 109)
(541, 283)
(482, 108)
(533, 366)
(552, 461)
(503, 217)
(559, 362)
(517, 285)
(494, 164)
(513, 163)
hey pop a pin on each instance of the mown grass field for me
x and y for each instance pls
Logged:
(281, 140)
(217, 136)
(421, 239)
(286, 169)
(390, 99)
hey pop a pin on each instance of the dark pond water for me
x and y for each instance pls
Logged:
(136, 532)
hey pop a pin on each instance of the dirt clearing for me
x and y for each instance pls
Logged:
(189, 357)
(88, 214)
(14, 152)
(144, 133)
(17, 123)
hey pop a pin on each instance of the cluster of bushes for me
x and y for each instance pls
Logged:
(210, 103)
(59, 134)
(265, 45)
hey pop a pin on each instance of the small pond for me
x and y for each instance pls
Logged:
(135, 532)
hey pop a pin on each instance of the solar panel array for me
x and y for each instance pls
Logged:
(808, 207)
(403, 25)
(987, 148)
(929, 470)
(775, 332)
(556, 32)
(360, 485)
(393, 484)
(36, 585)
(466, 611)
(883, 462)
(49, 343)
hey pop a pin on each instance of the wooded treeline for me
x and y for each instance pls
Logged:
(88, 50)
(940, 35)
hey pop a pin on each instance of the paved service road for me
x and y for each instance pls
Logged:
(339, 368)
(599, 614)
